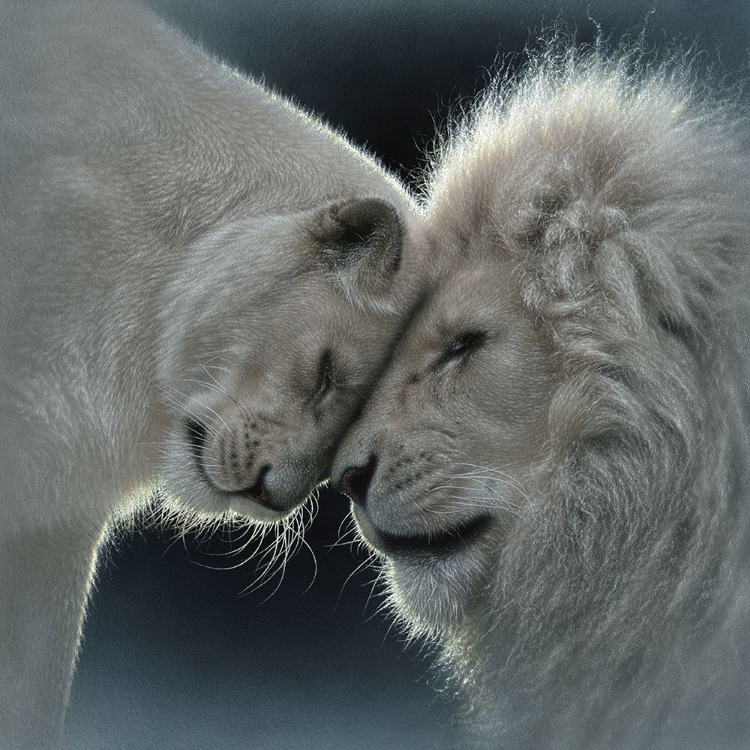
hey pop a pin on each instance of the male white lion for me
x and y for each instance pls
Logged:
(199, 284)
(554, 468)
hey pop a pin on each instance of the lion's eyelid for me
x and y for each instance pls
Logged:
(461, 346)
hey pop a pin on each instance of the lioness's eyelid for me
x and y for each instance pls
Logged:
(326, 375)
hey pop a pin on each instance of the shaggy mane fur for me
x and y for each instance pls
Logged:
(618, 609)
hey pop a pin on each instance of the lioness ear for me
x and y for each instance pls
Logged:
(360, 241)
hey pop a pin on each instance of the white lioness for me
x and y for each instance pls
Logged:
(199, 285)
(554, 469)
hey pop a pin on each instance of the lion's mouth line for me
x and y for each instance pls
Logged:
(435, 544)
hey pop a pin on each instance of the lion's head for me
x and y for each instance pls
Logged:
(553, 468)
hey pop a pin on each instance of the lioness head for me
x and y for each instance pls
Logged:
(275, 330)
(551, 467)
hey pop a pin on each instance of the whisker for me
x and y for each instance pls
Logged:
(351, 575)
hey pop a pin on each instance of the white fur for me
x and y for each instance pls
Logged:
(168, 235)
(593, 222)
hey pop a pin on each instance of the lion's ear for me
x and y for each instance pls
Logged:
(359, 241)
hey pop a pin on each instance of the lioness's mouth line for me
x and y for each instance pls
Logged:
(435, 544)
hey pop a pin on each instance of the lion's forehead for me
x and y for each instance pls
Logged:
(481, 296)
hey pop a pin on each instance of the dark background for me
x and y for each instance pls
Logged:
(174, 656)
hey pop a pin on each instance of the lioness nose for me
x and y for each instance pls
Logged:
(259, 491)
(355, 481)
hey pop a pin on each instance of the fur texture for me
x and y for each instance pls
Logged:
(199, 286)
(554, 469)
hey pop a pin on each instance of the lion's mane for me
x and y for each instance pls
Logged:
(617, 611)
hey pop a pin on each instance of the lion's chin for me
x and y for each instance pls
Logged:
(432, 580)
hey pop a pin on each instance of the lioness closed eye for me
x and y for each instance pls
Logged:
(554, 468)
(199, 287)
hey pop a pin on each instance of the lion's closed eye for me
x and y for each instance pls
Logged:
(460, 348)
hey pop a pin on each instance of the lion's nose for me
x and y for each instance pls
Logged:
(355, 481)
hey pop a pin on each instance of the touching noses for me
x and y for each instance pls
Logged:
(355, 481)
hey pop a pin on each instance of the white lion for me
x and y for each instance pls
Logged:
(554, 469)
(200, 284)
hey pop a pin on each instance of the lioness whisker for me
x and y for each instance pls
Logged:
(221, 389)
